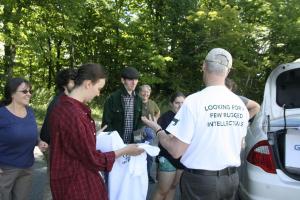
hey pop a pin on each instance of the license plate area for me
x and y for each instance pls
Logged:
(292, 151)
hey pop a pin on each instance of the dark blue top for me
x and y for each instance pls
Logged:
(164, 121)
(18, 137)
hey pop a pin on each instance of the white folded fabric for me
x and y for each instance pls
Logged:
(109, 141)
(151, 150)
(128, 178)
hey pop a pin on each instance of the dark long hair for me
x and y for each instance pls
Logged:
(90, 71)
(63, 77)
(175, 95)
(10, 88)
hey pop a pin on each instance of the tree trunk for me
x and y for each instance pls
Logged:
(71, 52)
(9, 57)
(58, 53)
(49, 62)
(9, 48)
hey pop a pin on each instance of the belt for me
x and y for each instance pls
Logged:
(224, 172)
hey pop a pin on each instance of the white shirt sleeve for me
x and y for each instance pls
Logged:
(182, 126)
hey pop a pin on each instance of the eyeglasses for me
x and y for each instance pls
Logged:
(25, 91)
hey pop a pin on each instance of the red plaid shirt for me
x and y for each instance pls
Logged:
(75, 162)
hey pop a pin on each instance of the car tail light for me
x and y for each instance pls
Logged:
(260, 155)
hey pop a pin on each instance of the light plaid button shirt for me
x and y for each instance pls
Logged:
(128, 119)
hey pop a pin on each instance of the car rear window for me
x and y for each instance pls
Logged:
(288, 89)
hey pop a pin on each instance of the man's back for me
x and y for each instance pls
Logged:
(207, 132)
(217, 121)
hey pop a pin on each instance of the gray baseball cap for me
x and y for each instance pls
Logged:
(219, 56)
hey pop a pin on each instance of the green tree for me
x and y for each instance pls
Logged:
(166, 40)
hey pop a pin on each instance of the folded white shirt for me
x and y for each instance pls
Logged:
(109, 141)
(128, 178)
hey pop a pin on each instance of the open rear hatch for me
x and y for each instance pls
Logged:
(282, 110)
(285, 144)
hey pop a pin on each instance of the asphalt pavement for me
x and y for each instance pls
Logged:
(41, 188)
(40, 184)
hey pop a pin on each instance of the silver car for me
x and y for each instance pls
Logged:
(270, 166)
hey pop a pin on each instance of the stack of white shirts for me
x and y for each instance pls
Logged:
(128, 178)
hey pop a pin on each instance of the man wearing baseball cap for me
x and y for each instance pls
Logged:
(207, 132)
(123, 108)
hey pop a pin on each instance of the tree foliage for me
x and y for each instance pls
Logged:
(166, 40)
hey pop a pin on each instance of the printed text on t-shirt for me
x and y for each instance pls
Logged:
(224, 115)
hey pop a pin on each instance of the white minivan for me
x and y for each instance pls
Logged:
(270, 166)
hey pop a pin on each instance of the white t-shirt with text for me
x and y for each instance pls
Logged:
(213, 123)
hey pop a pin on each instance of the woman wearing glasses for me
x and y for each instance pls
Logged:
(18, 137)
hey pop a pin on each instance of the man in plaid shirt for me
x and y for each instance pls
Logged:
(123, 108)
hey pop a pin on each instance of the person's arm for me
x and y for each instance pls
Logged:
(172, 144)
(79, 143)
(130, 149)
(157, 111)
(45, 130)
(44, 133)
(157, 115)
(107, 115)
(139, 105)
(253, 108)
(43, 146)
(75, 133)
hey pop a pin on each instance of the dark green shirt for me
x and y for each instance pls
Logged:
(113, 112)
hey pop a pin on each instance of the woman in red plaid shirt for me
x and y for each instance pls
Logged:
(75, 162)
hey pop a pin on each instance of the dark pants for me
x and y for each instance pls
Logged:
(204, 187)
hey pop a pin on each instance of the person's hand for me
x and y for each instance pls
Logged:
(151, 123)
(43, 146)
(152, 118)
(130, 149)
(133, 150)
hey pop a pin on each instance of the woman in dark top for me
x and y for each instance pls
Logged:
(18, 137)
(169, 169)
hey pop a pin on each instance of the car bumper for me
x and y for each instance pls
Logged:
(257, 184)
